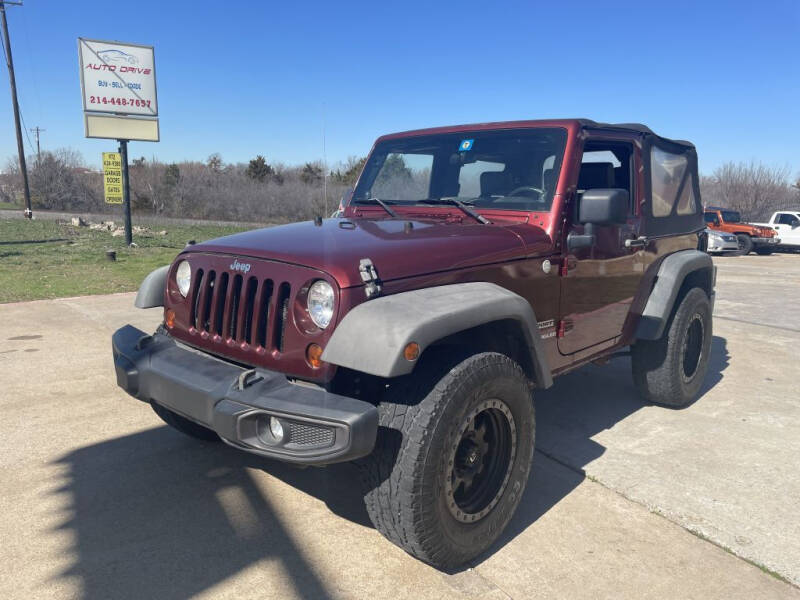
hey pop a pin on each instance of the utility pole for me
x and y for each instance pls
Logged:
(20, 148)
(36, 131)
(126, 191)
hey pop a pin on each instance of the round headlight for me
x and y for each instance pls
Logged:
(183, 277)
(320, 303)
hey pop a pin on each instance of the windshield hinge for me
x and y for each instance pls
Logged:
(369, 275)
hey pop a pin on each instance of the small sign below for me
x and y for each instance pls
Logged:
(112, 177)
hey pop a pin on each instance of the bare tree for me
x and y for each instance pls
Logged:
(753, 189)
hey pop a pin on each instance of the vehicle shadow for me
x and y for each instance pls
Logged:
(580, 405)
(158, 515)
(151, 512)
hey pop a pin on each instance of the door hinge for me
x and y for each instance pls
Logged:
(567, 264)
(564, 327)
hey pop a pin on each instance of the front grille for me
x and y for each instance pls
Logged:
(238, 308)
(309, 435)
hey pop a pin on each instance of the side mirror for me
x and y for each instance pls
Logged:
(603, 206)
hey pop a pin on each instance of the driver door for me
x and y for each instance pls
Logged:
(601, 280)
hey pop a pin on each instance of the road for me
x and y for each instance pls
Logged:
(101, 500)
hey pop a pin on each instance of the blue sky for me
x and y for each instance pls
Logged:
(247, 78)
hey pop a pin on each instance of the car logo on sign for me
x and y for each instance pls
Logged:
(237, 266)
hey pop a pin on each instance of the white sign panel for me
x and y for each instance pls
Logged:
(118, 78)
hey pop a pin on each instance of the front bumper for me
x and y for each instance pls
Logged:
(766, 241)
(722, 247)
(236, 402)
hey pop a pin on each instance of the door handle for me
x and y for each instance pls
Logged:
(639, 242)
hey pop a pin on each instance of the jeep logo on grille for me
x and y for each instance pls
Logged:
(237, 266)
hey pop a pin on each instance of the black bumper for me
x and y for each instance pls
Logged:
(236, 403)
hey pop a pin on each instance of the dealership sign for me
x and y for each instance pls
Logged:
(118, 83)
(118, 78)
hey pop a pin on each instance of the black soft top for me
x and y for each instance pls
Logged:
(637, 127)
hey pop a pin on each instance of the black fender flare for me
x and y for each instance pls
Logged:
(671, 274)
(372, 336)
(151, 292)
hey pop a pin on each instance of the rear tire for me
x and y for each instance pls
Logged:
(184, 425)
(745, 243)
(670, 370)
(452, 458)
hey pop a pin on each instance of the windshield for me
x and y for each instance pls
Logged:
(512, 170)
(731, 216)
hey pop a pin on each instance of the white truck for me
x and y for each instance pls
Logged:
(787, 224)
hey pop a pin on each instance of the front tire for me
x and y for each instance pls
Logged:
(745, 243)
(670, 370)
(452, 458)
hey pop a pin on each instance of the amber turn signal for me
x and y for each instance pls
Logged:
(411, 351)
(169, 318)
(313, 354)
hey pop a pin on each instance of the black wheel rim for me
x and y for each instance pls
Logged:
(693, 347)
(480, 461)
(741, 242)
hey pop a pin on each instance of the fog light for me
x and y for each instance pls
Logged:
(313, 356)
(276, 429)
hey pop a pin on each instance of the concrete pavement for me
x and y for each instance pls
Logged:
(101, 500)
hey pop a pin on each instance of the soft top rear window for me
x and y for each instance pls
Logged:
(515, 169)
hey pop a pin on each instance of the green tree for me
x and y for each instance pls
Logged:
(172, 176)
(352, 170)
(259, 170)
(393, 171)
(311, 173)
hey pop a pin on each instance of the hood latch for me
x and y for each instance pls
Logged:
(369, 275)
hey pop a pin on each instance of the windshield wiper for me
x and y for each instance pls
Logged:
(462, 205)
(377, 201)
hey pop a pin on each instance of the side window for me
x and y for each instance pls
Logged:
(667, 172)
(404, 177)
(709, 217)
(469, 177)
(787, 219)
(607, 165)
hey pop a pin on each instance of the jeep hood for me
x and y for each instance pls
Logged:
(396, 249)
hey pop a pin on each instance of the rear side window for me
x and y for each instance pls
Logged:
(667, 174)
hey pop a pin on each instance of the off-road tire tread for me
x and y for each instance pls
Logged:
(655, 364)
(183, 424)
(392, 483)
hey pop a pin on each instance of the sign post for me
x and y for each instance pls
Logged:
(118, 83)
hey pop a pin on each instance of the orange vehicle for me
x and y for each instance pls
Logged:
(751, 237)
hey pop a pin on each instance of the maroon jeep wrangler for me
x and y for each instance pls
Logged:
(469, 266)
